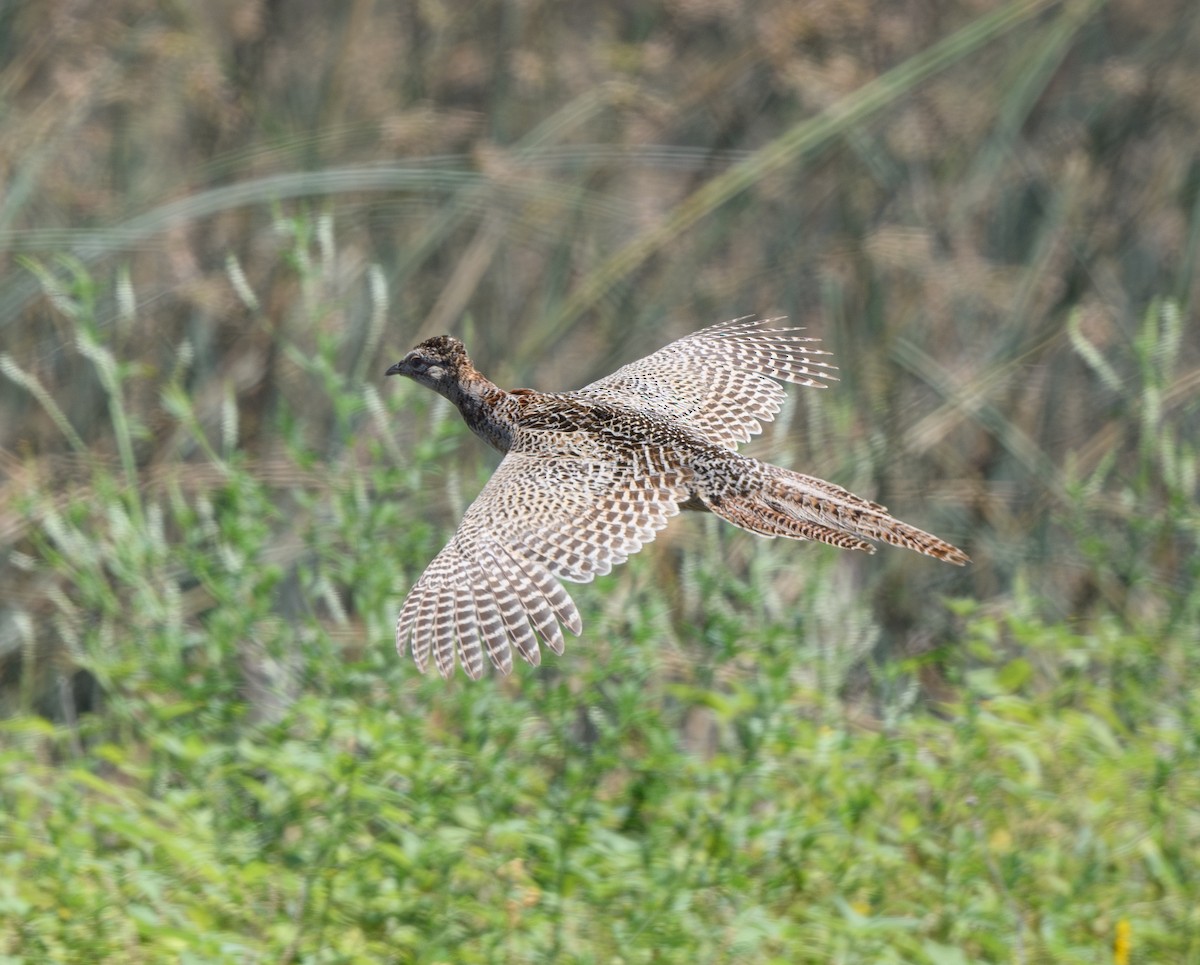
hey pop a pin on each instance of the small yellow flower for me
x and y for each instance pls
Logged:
(1122, 941)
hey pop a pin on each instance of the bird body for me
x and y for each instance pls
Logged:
(591, 476)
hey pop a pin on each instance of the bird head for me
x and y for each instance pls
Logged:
(439, 363)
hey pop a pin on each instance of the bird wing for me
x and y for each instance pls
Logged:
(539, 519)
(722, 382)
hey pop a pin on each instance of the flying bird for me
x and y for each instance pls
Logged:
(590, 477)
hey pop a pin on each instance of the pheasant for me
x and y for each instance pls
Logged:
(589, 477)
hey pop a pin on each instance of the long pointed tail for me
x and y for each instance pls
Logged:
(773, 501)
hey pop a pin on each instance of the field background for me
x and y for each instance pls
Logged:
(220, 222)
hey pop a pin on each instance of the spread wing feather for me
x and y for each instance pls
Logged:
(721, 382)
(539, 519)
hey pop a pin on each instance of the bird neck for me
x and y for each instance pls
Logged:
(477, 397)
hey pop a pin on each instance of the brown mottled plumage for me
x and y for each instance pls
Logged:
(591, 476)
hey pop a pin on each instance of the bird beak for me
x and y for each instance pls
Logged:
(401, 367)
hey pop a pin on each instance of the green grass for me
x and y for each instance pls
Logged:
(604, 808)
(258, 777)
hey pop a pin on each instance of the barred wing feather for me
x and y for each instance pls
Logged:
(539, 520)
(721, 382)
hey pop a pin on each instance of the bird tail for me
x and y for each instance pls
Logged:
(773, 501)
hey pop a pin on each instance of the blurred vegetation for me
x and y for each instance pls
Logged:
(222, 221)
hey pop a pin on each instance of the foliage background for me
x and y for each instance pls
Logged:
(222, 221)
